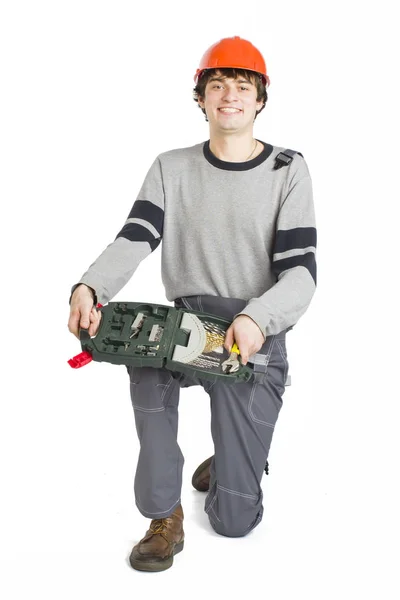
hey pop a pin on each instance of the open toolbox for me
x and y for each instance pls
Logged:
(153, 335)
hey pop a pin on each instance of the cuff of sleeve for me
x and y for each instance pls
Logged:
(258, 316)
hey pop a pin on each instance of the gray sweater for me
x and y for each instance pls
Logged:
(236, 230)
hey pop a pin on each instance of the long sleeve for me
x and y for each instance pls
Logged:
(140, 235)
(293, 261)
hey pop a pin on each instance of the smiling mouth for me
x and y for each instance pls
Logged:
(229, 111)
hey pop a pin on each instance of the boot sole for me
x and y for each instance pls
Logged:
(204, 465)
(156, 565)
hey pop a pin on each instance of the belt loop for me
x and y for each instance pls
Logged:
(260, 363)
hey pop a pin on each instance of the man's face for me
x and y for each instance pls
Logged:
(230, 104)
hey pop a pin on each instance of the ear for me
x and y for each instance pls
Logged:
(200, 101)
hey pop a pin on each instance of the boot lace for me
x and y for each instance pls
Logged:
(158, 525)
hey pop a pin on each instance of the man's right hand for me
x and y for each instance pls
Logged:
(83, 313)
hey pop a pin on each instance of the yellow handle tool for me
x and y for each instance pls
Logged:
(232, 364)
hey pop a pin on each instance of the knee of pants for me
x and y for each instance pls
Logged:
(233, 529)
(234, 521)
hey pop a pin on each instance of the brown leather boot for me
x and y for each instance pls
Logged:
(201, 476)
(164, 539)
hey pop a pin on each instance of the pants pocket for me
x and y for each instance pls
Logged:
(278, 366)
(281, 344)
(150, 388)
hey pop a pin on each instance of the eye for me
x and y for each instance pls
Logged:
(243, 88)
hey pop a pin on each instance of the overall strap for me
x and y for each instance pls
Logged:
(283, 159)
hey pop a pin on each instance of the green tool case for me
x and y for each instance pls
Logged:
(153, 335)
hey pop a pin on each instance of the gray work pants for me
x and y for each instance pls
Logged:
(243, 417)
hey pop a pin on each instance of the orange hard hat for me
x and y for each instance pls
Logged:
(234, 53)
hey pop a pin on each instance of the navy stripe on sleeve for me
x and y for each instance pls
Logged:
(300, 237)
(154, 243)
(136, 233)
(143, 209)
(300, 260)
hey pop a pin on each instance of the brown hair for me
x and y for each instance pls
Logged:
(253, 77)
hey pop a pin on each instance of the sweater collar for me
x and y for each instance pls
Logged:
(237, 166)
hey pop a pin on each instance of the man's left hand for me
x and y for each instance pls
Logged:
(247, 335)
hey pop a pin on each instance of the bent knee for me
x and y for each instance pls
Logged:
(233, 528)
(222, 530)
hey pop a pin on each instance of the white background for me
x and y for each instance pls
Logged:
(91, 92)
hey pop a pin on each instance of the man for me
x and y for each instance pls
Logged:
(237, 221)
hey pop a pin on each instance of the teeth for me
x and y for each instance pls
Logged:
(229, 110)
